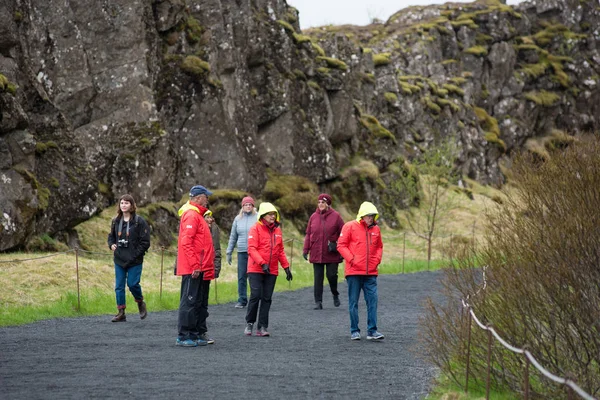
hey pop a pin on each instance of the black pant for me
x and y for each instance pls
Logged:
(261, 290)
(332, 277)
(191, 313)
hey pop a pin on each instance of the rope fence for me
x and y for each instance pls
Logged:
(529, 358)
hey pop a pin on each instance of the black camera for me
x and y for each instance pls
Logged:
(123, 243)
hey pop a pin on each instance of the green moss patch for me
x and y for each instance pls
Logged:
(478, 51)
(381, 59)
(543, 98)
(333, 63)
(286, 25)
(390, 97)
(373, 125)
(195, 66)
(490, 126)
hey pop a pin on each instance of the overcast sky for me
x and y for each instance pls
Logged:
(356, 12)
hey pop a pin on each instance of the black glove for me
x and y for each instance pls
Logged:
(305, 255)
(265, 268)
(288, 274)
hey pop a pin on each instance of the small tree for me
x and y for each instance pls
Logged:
(436, 172)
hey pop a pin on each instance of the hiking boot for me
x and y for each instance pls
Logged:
(336, 300)
(375, 336)
(355, 336)
(120, 317)
(143, 310)
(206, 338)
(262, 332)
(239, 305)
(318, 306)
(248, 330)
(186, 343)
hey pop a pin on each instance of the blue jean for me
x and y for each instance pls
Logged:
(132, 275)
(242, 278)
(368, 284)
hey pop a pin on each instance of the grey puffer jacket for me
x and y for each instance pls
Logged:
(239, 232)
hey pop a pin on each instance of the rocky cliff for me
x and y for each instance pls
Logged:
(150, 97)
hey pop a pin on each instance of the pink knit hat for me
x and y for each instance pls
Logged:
(247, 200)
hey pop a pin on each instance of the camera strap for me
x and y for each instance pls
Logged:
(121, 228)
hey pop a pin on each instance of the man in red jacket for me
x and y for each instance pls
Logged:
(195, 264)
(361, 247)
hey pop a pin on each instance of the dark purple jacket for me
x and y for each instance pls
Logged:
(322, 228)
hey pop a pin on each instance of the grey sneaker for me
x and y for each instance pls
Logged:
(262, 332)
(375, 336)
(239, 305)
(206, 338)
(355, 336)
(248, 330)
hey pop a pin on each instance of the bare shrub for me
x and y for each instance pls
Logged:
(542, 252)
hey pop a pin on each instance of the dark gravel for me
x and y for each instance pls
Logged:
(309, 354)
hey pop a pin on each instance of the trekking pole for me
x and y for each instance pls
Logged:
(216, 292)
(291, 262)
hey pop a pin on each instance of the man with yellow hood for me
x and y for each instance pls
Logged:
(361, 247)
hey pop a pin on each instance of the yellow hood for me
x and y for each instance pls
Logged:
(267, 208)
(367, 208)
(187, 206)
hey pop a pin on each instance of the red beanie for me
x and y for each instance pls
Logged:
(326, 198)
(247, 200)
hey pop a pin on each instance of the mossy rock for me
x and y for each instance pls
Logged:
(314, 85)
(469, 23)
(543, 98)
(193, 30)
(381, 59)
(333, 63)
(453, 89)
(323, 70)
(367, 78)
(478, 51)
(45, 243)
(299, 39)
(318, 49)
(286, 25)
(103, 188)
(299, 74)
(373, 125)
(431, 106)
(195, 66)
(294, 196)
(390, 97)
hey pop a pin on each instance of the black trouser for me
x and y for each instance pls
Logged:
(191, 313)
(204, 306)
(261, 290)
(332, 277)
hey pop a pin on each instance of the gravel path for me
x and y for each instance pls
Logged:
(309, 354)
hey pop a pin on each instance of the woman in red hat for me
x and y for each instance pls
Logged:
(323, 230)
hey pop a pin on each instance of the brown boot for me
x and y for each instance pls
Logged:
(120, 317)
(143, 310)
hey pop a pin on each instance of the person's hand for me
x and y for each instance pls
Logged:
(305, 255)
(265, 268)
(288, 274)
(195, 274)
(229, 258)
(113, 247)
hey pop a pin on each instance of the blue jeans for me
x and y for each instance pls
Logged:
(242, 278)
(132, 275)
(368, 284)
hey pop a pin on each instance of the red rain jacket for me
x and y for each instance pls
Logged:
(195, 249)
(265, 246)
(361, 247)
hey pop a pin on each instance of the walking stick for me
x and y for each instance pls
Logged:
(291, 262)
(216, 292)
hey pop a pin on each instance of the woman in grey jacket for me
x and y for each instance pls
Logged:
(239, 236)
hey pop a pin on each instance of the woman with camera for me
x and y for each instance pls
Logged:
(129, 239)
(323, 230)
